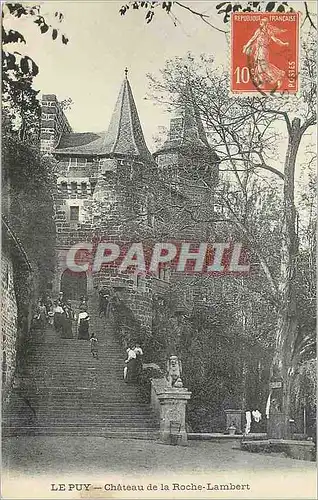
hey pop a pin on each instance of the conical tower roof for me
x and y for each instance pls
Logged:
(186, 128)
(124, 135)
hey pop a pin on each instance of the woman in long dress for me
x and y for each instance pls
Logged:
(83, 324)
(68, 320)
(257, 48)
(130, 365)
(133, 370)
(59, 316)
(138, 365)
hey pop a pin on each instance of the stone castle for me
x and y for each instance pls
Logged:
(110, 187)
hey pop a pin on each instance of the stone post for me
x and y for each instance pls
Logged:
(278, 422)
(235, 417)
(173, 403)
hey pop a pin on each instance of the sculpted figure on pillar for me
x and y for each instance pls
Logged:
(174, 372)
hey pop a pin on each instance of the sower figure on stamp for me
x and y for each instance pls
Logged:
(257, 48)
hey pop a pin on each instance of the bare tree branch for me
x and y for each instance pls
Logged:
(204, 17)
(264, 166)
(308, 16)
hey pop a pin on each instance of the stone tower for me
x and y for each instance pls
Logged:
(189, 165)
(187, 161)
(101, 195)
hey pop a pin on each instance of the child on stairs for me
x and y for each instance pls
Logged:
(94, 346)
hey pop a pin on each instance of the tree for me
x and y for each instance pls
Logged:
(20, 103)
(28, 181)
(245, 137)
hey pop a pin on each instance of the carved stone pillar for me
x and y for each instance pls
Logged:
(173, 403)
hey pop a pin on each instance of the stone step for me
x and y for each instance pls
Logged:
(136, 418)
(60, 407)
(86, 391)
(45, 422)
(103, 358)
(124, 433)
(74, 394)
(89, 393)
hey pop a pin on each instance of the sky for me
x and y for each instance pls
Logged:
(90, 68)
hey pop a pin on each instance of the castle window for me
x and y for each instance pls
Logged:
(139, 283)
(151, 220)
(81, 162)
(64, 187)
(72, 162)
(93, 186)
(74, 187)
(74, 213)
(84, 188)
(164, 273)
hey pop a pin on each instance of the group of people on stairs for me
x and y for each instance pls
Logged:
(61, 315)
(64, 316)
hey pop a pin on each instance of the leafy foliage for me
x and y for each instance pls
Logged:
(244, 134)
(149, 6)
(13, 60)
(19, 99)
(28, 181)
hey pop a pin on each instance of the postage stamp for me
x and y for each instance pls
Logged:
(265, 52)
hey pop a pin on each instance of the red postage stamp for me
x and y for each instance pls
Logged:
(265, 52)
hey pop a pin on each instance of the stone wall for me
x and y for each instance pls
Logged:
(53, 123)
(107, 202)
(8, 321)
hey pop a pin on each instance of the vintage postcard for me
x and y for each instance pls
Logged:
(158, 250)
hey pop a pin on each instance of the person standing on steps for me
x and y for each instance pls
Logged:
(58, 319)
(83, 324)
(94, 346)
(83, 302)
(42, 313)
(68, 320)
(138, 365)
(60, 299)
(112, 300)
(103, 301)
(130, 365)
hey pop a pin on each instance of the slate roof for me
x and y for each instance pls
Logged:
(123, 137)
(189, 132)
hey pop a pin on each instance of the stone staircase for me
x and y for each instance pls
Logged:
(65, 391)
